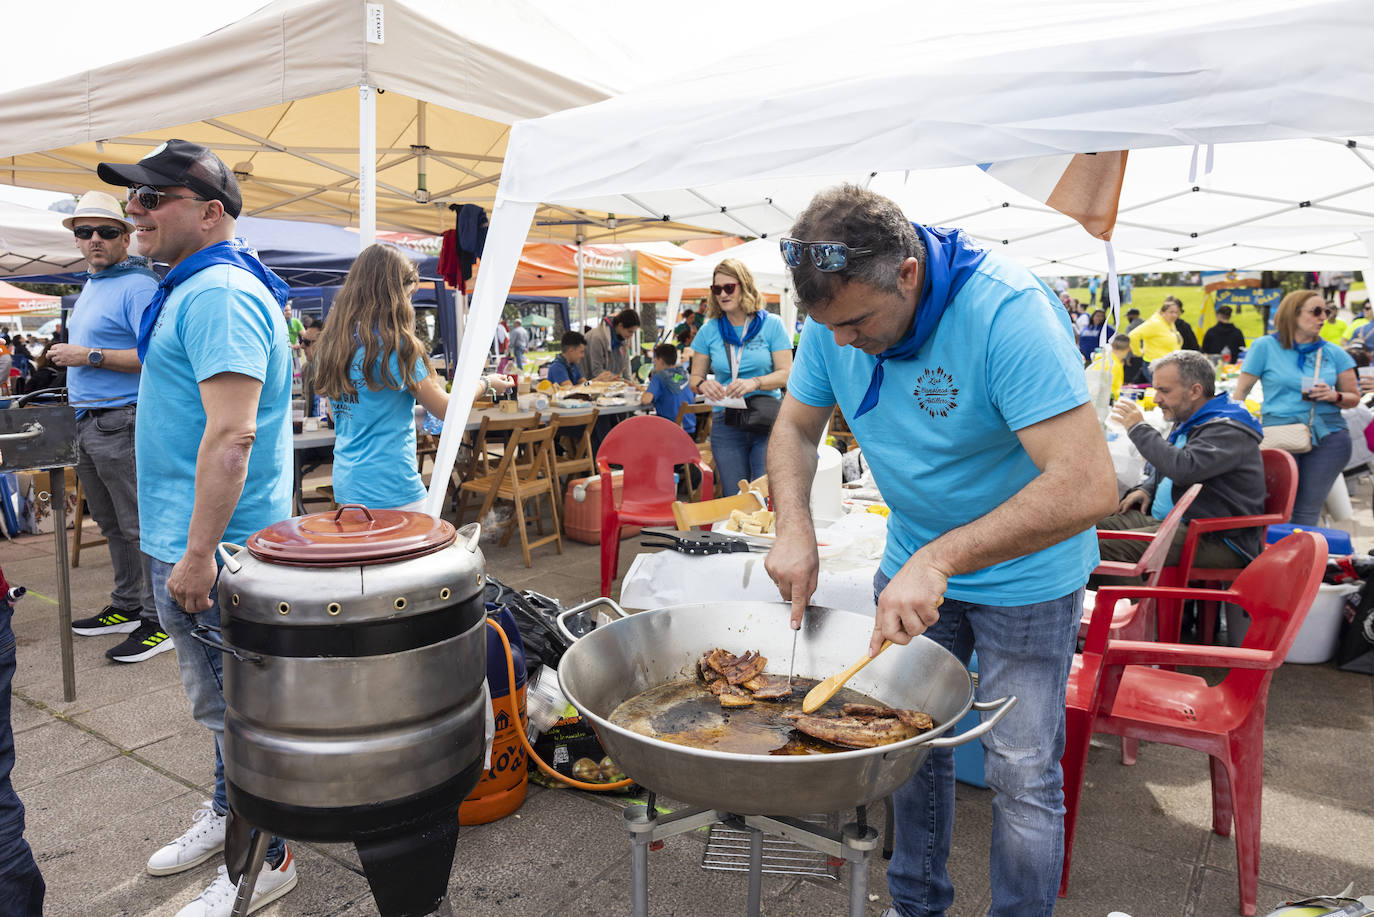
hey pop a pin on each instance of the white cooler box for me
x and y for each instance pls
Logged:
(1316, 641)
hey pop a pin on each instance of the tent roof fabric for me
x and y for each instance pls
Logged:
(34, 242)
(277, 92)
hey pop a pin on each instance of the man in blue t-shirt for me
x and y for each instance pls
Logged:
(214, 447)
(102, 365)
(960, 381)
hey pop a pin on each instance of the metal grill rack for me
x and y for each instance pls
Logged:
(727, 850)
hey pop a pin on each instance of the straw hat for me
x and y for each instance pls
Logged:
(98, 205)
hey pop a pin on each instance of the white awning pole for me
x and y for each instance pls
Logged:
(367, 166)
(581, 287)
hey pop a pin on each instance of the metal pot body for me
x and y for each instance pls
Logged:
(355, 701)
(642, 651)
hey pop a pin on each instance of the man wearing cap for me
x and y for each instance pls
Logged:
(925, 343)
(216, 461)
(519, 343)
(102, 384)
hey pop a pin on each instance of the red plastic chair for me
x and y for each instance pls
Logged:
(1114, 689)
(1280, 489)
(648, 448)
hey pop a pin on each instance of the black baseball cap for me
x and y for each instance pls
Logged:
(179, 163)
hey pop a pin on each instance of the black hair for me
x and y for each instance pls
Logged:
(571, 339)
(1223, 311)
(860, 219)
(667, 353)
(626, 318)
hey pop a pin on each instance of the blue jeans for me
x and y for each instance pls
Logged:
(21, 884)
(739, 456)
(202, 674)
(1025, 650)
(1317, 471)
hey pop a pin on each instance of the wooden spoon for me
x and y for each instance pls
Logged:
(815, 698)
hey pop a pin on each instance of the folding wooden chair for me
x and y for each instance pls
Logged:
(702, 435)
(77, 541)
(839, 428)
(708, 512)
(574, 432)
(479, 462)
(519, 482)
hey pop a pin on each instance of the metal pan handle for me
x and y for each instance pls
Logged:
(231, 560)
(199, 635)
(578, 609)
(1002, 705)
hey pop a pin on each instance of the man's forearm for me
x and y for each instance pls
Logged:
(122, 361)
(221, 469)
(1053, 506)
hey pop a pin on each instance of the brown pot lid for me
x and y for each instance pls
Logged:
(352, 534)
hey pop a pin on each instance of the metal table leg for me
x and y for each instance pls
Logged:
(57, 494)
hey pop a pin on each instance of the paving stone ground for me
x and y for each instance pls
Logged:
(112, 776)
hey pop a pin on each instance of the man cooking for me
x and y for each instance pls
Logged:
(929, 345)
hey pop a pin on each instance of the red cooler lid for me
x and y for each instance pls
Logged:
(351, 535)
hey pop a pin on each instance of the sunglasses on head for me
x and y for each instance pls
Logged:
(105, 232)
(726, 288)
(149, 197)
(825, 256)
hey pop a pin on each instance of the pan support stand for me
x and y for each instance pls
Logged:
(257, 852)
(852, 843)
(57, 495)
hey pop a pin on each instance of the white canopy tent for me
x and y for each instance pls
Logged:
(34, 241)
(764, 261)
(910, 87)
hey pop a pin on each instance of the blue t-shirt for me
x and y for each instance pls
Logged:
(219, 320)
(561, 371)
(942, 441)
(374, 448)
(756, 357)
(1278, 371)
(670, 391)
(1164, 491)
(106, 316)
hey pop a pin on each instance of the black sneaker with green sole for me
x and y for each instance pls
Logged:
(144, 643)
(111, 620)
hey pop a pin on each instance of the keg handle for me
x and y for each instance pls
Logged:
(473, 533)
(198, 635)
(358, 506)
(230, 561)
(563, 617)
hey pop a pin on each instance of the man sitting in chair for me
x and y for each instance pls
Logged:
(1213, 441)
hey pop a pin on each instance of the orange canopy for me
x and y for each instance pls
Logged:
(14, 301)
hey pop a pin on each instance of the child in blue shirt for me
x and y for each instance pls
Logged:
(668, 389)
(564, 369)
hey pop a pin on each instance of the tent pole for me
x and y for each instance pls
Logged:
(367, 166)
(581, 286)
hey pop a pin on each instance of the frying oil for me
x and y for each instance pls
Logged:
(685, 712)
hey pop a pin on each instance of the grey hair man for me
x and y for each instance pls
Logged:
(1213, 442)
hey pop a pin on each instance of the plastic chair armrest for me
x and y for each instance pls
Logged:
(1120, 535)
(1197, 527)
(1100, 625)
(1116, 568)
(1139, 652)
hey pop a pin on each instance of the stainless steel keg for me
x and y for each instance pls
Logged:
(355, 655)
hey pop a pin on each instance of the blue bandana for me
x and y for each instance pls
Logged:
(1220, 407)
(615, 338)
(729, 335)
(130, 265)
(951, 258)
(1302, 350)
(236, 253)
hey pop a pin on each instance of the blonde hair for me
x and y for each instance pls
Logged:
(750, 300)
(372, 311)
(1286, 318)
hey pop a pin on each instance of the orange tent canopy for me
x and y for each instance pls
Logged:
(14, 301)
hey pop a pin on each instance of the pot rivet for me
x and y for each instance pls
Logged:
(235, 598)
(444, 593)
(334, 608)
(400, 603)
(479, 579)
(283, 608)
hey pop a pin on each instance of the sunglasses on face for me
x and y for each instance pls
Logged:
(149, 198)
(825, 256)
(1316, 310)
(727, 289)
(105, 232)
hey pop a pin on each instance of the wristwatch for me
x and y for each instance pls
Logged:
(96, 357)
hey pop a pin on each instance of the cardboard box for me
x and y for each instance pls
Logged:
(35, 509)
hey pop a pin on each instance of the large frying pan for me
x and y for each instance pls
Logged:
(622, 659)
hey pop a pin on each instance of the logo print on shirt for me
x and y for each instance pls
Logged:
(935, 392)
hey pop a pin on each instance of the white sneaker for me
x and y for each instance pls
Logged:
(218, 899)
(202, 840)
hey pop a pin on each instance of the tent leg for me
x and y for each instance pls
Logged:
(367, 166)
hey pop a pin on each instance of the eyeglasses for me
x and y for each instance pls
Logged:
(727, 289)
(1316, 310)
(825, 256)
(149, 198)
(105, 232)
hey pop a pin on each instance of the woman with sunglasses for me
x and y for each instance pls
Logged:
(750, 353)
(373, 369)
(1306, 380)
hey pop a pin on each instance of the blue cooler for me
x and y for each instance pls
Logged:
(968, 757)
(1337, 542)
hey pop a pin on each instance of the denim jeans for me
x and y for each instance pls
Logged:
(1025, 650)
(109, 480)
(21, 884)
(1317, 471)
(202, 674)
(740, 456)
